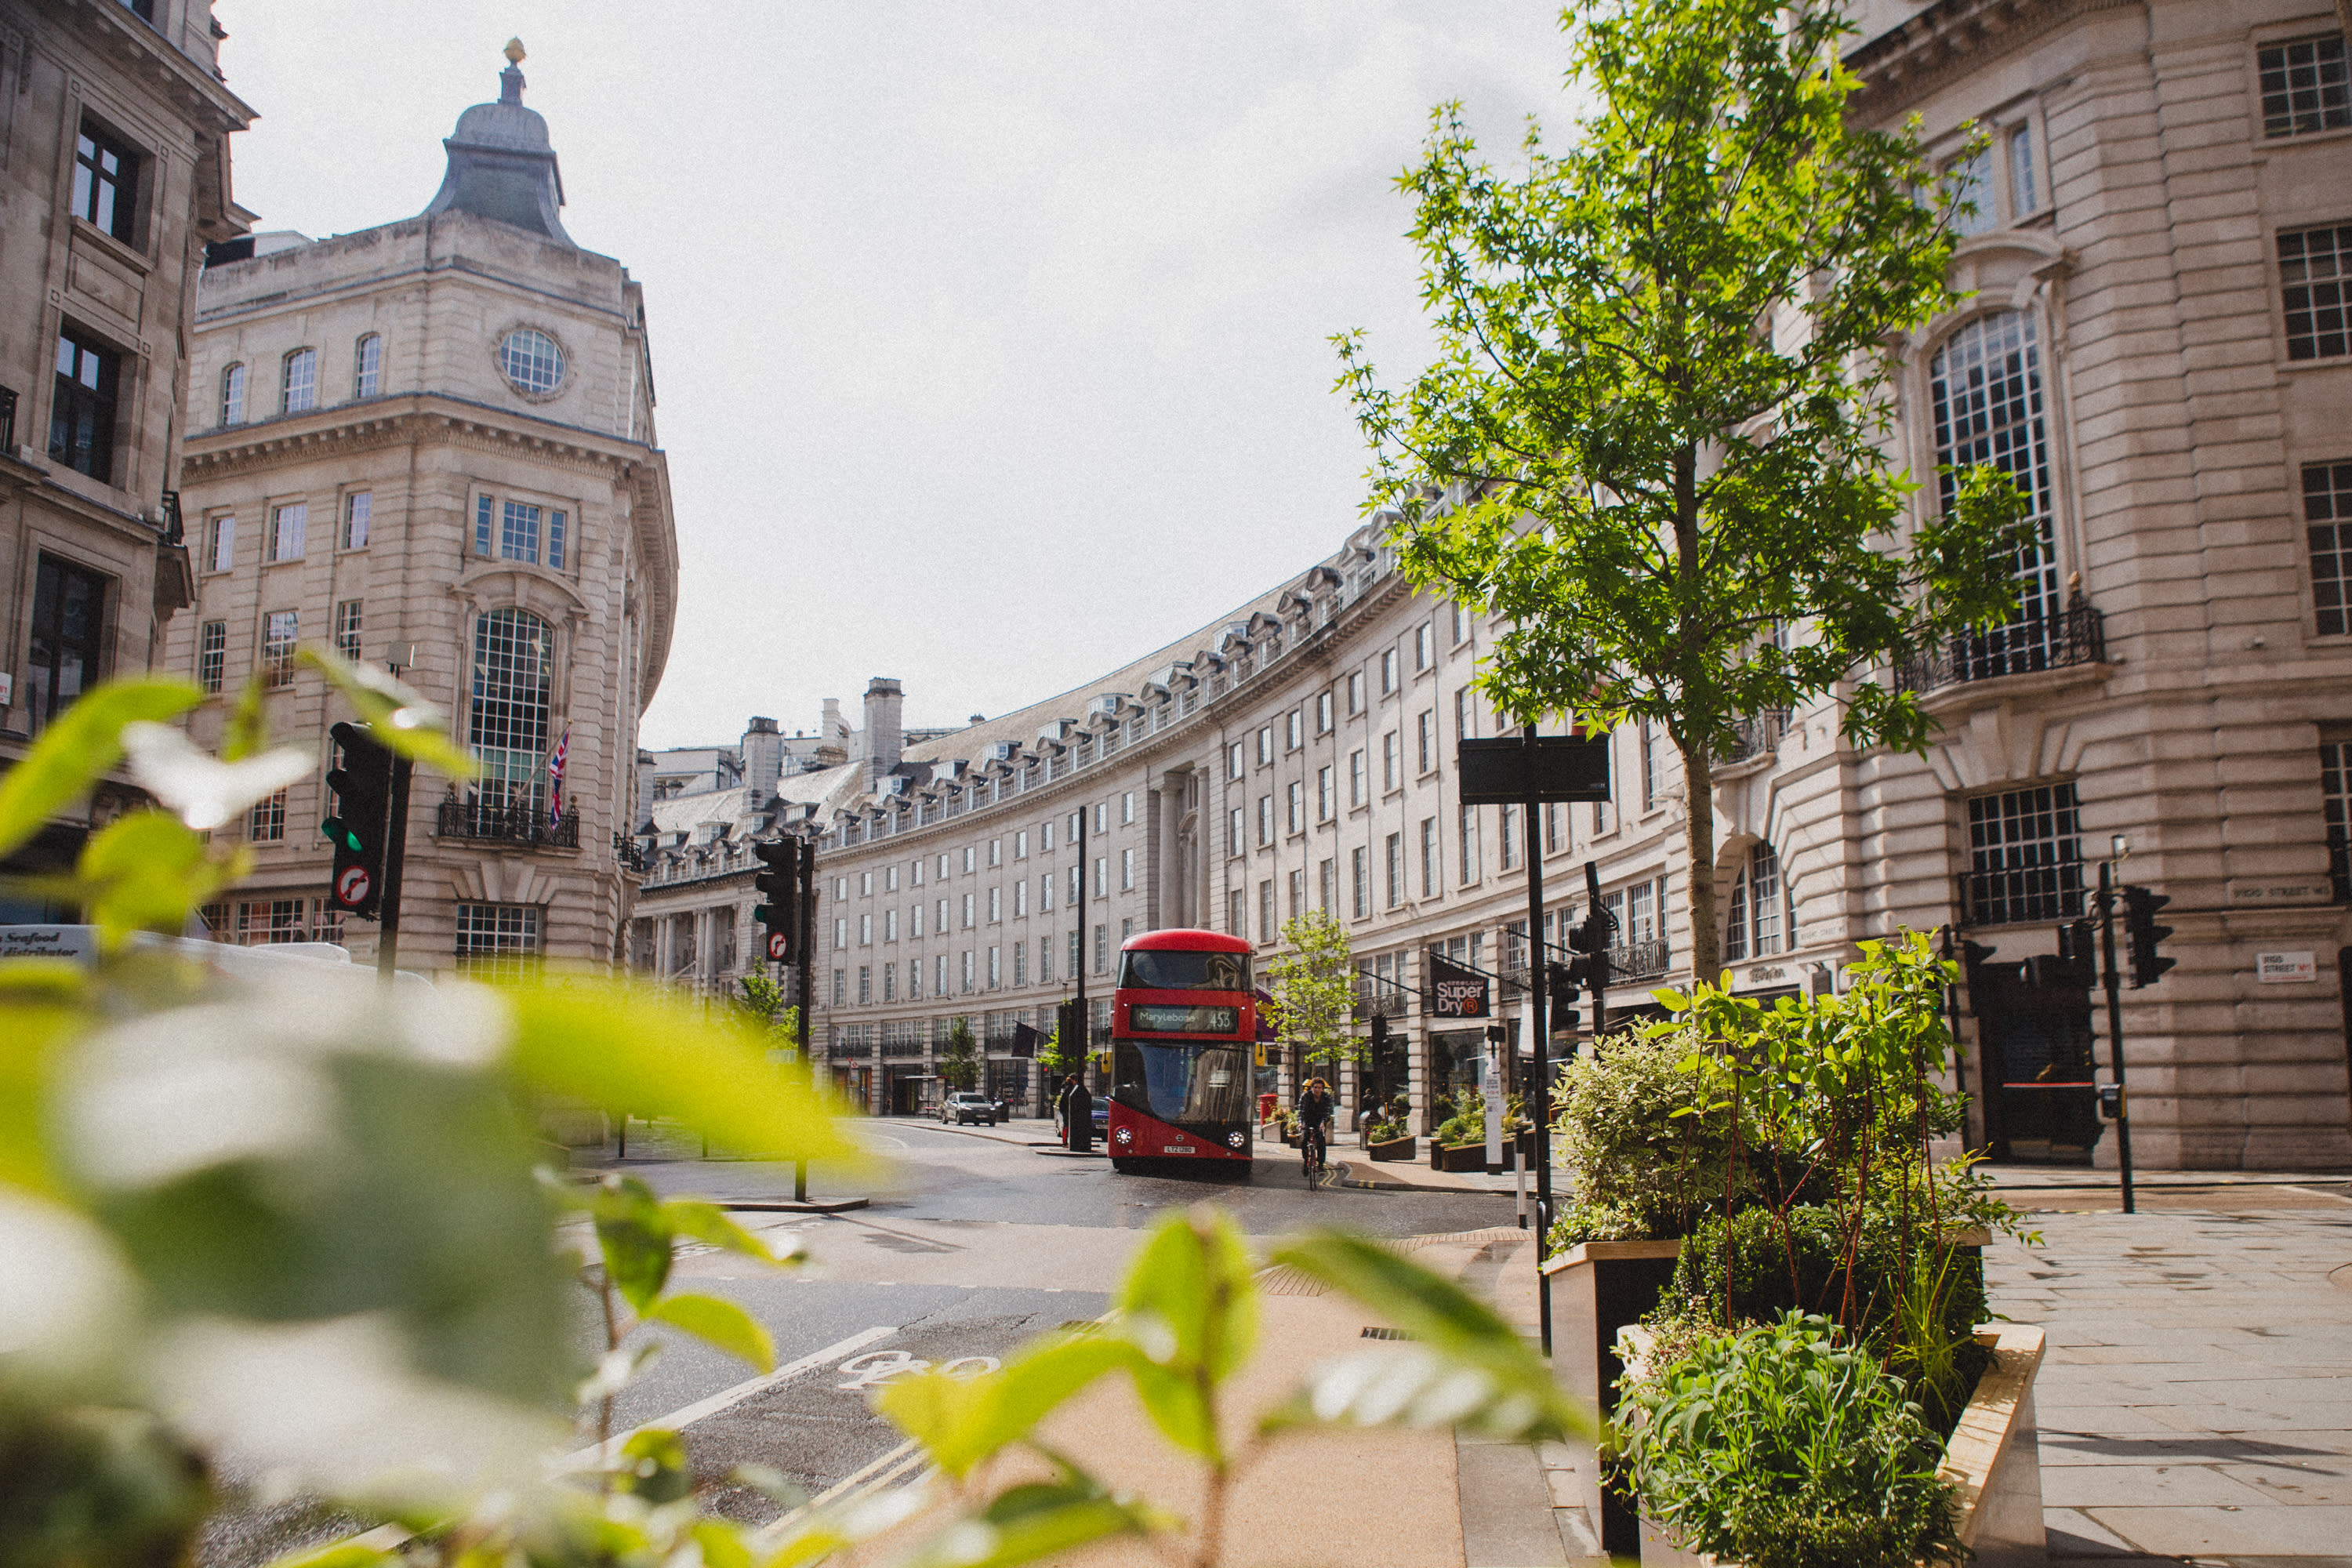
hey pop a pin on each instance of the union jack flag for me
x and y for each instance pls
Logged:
(555, 778)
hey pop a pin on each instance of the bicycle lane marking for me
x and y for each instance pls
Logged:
(701, 1409)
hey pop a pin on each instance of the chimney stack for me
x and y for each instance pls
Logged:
(764, 759)
(831, 735)
(885, 737)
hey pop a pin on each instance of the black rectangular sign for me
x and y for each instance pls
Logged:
(1567, 767)
(1456, 992)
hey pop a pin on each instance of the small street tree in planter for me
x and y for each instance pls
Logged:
(959, 1067)
(1313, 988)
(1819, 1337)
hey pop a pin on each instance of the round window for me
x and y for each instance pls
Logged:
(532, 361)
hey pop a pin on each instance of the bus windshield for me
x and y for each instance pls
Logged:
(1181, 1082)
(1168, 969)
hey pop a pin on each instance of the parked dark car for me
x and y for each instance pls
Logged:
(965, 1107)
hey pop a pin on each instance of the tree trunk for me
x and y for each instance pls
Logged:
(1699, 836)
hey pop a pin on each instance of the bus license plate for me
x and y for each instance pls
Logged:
(1178, 1149)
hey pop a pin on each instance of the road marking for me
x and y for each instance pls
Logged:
(703, 1409)
(879, 1367)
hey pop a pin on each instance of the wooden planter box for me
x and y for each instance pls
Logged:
(1458, 1157)
(1406, 1147)
(1994, 1459)
(1598, 1288)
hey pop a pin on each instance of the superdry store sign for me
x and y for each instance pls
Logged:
(1456, 991)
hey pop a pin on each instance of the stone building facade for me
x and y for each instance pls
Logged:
(2156, 342)
(431, 445)
(114, 175)
(1297, 754)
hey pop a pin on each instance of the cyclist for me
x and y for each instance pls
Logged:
(1315, 1112)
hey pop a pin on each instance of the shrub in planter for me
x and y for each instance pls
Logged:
(1916, 1309)
(1780, 1447)
(1645, 1150)
(1582, 1221)
(1468, 1123)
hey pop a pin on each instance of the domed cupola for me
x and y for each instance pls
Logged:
(502, 165)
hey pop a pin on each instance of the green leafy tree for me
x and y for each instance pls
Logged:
(1313, 989)
(1057, 1058)
(763, 998)
(961, 1066)
(1653, 436)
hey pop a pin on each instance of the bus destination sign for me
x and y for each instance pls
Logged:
(1179, 1018)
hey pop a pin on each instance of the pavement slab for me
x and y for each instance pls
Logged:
(2196, 1399)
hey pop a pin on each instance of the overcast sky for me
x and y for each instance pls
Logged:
(991, 339)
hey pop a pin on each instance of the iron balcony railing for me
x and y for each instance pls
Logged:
(2076, 635)
(631, 857)
(1639, 960)
(506, 824)
(7, 422)
(2022, 895)
(1759, 733)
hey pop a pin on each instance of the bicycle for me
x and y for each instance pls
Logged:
(1312, 1153)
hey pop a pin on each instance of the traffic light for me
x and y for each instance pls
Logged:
(1590, 968)
(780, 884)
(2143, 934)
(359, 821)
(1379, 1034)
(1561, 980)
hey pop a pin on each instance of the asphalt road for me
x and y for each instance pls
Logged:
(969, 1246)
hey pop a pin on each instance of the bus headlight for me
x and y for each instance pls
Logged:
(1125, 1136)
(1234, 1139)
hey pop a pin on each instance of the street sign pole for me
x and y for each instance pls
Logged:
(2115, 1030)
(806, 912)
(1539, 1019)
(1528, 773)
(1086, 1025)
(395, 851)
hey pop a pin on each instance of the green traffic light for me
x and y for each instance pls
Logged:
(337, 833)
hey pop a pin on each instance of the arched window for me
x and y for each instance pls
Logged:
(1760, 916)
(367, 366)
(513, 671)
(302, 382)
(232, 404)
(1987, 387)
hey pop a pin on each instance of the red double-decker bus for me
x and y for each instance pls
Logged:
(1183, 1040)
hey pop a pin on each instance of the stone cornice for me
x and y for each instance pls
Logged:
(150, 60)
(393, 421)
(1948, 40)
